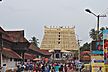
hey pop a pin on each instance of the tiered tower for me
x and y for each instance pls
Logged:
(60, 41)
(59, 38)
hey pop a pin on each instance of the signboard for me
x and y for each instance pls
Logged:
(97, 47)
(97, 59)
(97, 52)
(105, 38)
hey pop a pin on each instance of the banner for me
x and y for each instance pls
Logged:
(97, 47)
(105, 38)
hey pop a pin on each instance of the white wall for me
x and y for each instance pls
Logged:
(9, 64)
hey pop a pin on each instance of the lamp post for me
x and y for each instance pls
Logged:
(98, 16)
(97, 38)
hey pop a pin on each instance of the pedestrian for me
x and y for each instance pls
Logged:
(4, 68)
(34, 68)
(30, 67)
(18, 69)
(43, 68)
(57, 68)
(100, 69)
(61, 68)
(52, 69)
(65, 68)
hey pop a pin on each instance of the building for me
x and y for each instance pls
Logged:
(13, 44)
(15, 48)
(59, 40)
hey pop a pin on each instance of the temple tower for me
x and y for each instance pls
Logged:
(59, 39)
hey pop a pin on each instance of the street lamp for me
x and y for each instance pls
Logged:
(98, 16)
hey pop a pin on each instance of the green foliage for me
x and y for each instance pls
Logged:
(85, 47)
(35, 41)
(93, 33)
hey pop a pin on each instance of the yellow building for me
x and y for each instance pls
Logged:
(61, 39)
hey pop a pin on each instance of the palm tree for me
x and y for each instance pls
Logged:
(93, 34)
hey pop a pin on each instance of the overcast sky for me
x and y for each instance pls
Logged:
(32, 15)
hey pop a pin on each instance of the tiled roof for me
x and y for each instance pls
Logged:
(14, 36)
(29, 56)
(10, 53)
(43, 52)
(17, 36)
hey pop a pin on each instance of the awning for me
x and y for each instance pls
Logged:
(10, 53)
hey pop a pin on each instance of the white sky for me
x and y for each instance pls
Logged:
(32, 15)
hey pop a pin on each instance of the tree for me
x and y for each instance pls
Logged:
(85, 47)
(93, 33)
(35, 41)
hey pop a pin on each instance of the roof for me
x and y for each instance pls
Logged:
(17, 36)
(40, 51)
(14, 36)
(1, 30)
(29, 56)
(45, 52)
(32, 46)
(10, 53)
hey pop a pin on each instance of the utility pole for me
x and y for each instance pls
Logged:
(98, 17)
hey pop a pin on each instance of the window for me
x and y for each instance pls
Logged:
(57, 55)
(58, 38)
(58, 42)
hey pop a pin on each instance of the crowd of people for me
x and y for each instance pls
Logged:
(47, 67)
(55, 67)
